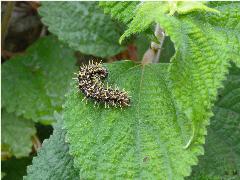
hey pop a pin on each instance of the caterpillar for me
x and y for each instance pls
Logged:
(90, 82)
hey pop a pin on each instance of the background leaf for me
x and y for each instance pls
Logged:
(222, 154)
(16, 134)
(53, 160)
(83, 26)
(33, 85)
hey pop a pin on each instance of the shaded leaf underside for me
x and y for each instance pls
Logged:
(83, 26)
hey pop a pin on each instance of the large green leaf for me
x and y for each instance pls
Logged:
(33, 85)
(152, 138)
(222, 154)
(204, 45)
(53, 161)
(83, 26)
(144, 141)
(16, 134)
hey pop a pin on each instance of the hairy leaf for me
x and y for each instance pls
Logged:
(123, 141)
(144, 141)
(222, 154)
(123, 11)
(33, 85)
(204, 45)
(53, 160)
(184, 7)
(83, 26)
(16, 134)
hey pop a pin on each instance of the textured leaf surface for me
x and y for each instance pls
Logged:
(147, 140)
(204, 45)
(15, 169)
(16, 134)
(123, 11)
(53, 161)
(33, 85)
(182, 7)
(83, 26)
(222, 154)
(137, 142)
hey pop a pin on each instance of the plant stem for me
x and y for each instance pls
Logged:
(152, 55)
(159, 33)
(6, 20)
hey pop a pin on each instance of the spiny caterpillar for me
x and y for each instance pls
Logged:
(89, 81)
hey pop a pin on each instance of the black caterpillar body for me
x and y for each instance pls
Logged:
(89, 80)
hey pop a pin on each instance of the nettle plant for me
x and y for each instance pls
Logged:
(162, 134)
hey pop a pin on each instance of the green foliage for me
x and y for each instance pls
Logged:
(184, 7)
(177, 102)
(33, 85)
(15, 169)
(222, 154)
(201, 65)
(83, 26)
(16, 134)
(53, 160)
(136, 142)
(202, 54)
(123, 11)
(213, 165)
(161, 135)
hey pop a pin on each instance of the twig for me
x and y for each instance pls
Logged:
(6, 20)
(159, 33)
(152, 55)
